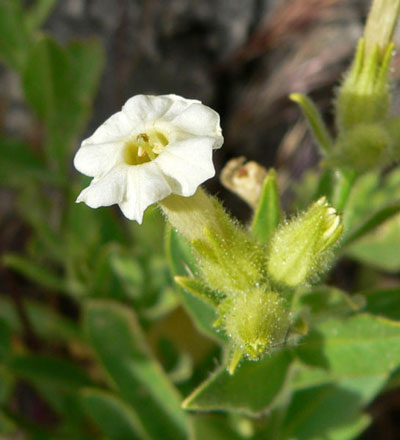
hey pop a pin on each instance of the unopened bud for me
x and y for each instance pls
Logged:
(300, 249)
(256, 321)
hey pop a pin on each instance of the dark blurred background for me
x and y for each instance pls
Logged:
(241, 57)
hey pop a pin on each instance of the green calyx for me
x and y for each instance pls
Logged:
(364, 94)
(300, 248)
(257, 321)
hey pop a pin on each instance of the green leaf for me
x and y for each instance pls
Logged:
(361, 345)
(115, 418)
(5, 336)
(47, 323)
(315, 122)
(34, 272)
(371, 223)
(59, 84)
(199, 289)
(212, 426)
(59, 374)
(326, 412)
(379, 249)
(120, 345)
(38, 13)
(14, 39)
(268, 212)
(383, 302)
(182, 263)
(253, 388)
(7, 425)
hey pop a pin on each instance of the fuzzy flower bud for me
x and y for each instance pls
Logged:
(300, 249)
(256, 321)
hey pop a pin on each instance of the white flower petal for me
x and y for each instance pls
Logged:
(116, 128)
(187, 164)
(145, 185)
(107, 189)
(200, 120)
(96, 159)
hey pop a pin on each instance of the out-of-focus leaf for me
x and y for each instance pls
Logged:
(372, 222)
(383, 302)
(213, 426)
(359, 345)
(120, 345)
(55, 372)
(268, 212)
(33, 271)
(38, 12)
(323, 302)
(379, 249)
(18, 164)
(5, 335)
(252, 389)
(47, 323)
(7, 425)
(326, 412)
(114, 417)
(182, 263)
(14, 39)
(59, 84)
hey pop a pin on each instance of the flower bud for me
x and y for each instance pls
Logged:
(256, 321)
(300, 249)
(362, 148)
(364, 94)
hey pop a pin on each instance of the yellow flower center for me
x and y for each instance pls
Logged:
(145, 147)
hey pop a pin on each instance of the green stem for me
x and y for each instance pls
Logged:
(346, 179)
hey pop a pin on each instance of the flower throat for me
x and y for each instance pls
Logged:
(145, 147)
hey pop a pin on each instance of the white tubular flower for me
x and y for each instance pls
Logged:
(155, 146)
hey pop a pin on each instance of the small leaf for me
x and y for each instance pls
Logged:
(14, 38)
(121, 347)
(199, 289)
(55, 372)
(116, 420)
(182, 263)
(268, 213)
(33, 271)
(315, 121)
(252, 389)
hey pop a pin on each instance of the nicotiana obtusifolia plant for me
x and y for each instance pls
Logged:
(294, 316)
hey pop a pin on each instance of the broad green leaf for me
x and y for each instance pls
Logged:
(324, 301)
(34, 272)
(268, 212)
(212, 426)
(379, 249)
(372, 222)
(120, 345)
(55, 372)
(14, 38)
(47, 323)
(361, 345)
(182, 263)
(253, 388)
(326, 412)
(315, 121)
(383, 302)
(350, 431)
(7, 425)
(115, 418)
